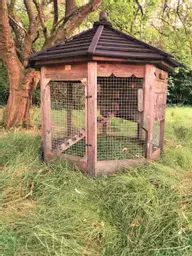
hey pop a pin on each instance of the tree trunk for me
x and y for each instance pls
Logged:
(20, 98)
(70, 7)
(21, 82)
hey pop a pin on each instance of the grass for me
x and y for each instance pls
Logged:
(56, 210)
(108, 147)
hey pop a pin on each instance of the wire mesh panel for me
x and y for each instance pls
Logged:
(119, 132)
(68, 117)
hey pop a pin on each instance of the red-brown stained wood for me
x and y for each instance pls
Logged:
(111, 166)
(45, 113)
(149, 107)
(92, 118)
(63, 72)
(159, 106)
(140, 100)
(120, 70)
(155, 155)
(162, 131)
(69, 109)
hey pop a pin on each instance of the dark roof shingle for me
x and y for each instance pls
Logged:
(104, 40)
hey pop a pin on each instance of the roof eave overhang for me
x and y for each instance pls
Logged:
(164, 65)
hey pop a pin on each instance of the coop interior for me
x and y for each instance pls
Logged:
(119, 118)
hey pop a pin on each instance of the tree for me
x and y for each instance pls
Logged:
(180, 88)
(22, 24)
(166, 24)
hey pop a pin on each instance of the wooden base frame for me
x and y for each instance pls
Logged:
(101, 167)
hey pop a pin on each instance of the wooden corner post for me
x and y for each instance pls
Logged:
(91, 97)
(46, 114)
(148, 113)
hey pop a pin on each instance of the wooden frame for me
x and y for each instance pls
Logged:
(154, 82)
(149, 108)
(45, 114)
(91, 141)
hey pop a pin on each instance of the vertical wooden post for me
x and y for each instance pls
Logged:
(149, 108)
(45, 114)
(69, 108)
(91, 140)
(162, 128)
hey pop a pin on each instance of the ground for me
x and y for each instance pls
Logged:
(55, 210)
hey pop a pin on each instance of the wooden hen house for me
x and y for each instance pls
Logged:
(103, 96)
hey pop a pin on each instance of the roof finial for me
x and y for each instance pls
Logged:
(103, 16)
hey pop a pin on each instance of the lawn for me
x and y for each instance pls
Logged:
(56, 210)
(121, 134)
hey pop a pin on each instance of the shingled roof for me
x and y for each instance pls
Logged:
(103, 40)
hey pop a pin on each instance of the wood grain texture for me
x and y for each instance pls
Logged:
(77, 72)
(120, 70)
(45, 113)
(92, 118)
(149, 107)
(162, 132)
(155, 155)
(140, 100)
(111, 166)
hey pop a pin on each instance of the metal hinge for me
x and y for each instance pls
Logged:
(88, 97)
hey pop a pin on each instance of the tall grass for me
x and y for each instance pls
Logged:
(56, 210)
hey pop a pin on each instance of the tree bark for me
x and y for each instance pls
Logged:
(21, 83)
(17, 111)
(70, 7)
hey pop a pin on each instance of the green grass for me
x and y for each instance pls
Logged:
(56, 210)
(108, 147)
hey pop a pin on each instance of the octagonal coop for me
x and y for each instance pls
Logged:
(103, 97)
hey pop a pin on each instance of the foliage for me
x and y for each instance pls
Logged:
(4, 88)
(164, 24)
(56, 210)
(180, 88)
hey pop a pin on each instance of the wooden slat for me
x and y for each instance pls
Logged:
(140, 100)
(70, 46)
(118, 44)
(123, 49)
(131, 54)
(120, 70)
(77, 72)
(155, 155)
(92, 117)
(63, 55)
(111, 166)
(66, 50)
(110, 39)
(162, 132)
(46, 113)
(70, 142)
(149, 108)
(69, 108)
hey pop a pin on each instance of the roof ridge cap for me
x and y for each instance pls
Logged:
(95, 40)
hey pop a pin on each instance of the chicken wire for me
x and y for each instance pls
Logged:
(68, 117)
(119, 131)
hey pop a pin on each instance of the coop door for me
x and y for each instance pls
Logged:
(68, 117)
(119, 118)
